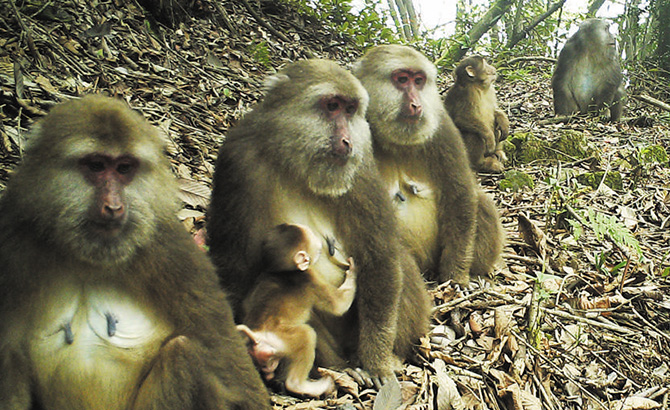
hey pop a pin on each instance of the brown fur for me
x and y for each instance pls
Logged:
(278, 308)
(445, 219)
(471, 103)
(587, 77)
(133, 321)
(276, 167)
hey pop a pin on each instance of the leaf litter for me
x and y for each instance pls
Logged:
(578, 314)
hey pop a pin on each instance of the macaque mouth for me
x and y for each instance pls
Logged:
(108, 228)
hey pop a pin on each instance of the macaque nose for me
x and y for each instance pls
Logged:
(342, 146)
(415, 109)
(113, 211)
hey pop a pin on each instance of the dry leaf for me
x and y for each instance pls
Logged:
(635, 403)
(389, 396)
(194, 193)
(532, 235)
(448, 396)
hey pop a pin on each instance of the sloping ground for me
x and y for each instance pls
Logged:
(569, 321)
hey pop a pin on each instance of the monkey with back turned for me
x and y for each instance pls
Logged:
(277, 310)
(471, 103)
(587, 77)
(105, 300)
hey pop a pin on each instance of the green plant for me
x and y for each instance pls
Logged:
(260, 53)
(606, 226)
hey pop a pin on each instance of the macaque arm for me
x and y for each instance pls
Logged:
(14, 382)
(338, 301)
(172, 378)
(501, 125)
(457, 214)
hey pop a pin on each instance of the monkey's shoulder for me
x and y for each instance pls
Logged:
(288, 280)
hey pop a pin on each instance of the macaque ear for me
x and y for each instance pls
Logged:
(245, 331)
(470, 70)
(301, 259)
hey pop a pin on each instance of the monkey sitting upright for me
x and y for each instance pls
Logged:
(278, 308)
(471, 103)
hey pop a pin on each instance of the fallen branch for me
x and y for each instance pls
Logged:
(653, 101)
(589, 322)
(531, 58)
(264, 23)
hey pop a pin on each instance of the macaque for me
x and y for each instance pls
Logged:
(471, 103)
(451, 227)
(105, 300)
(278, 308)
(587, 77)
(303, 155)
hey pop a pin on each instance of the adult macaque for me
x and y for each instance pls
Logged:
(105, 300)
(278, 308)
(303, 155)
(587, 77)
(471, 103)
(450, 225)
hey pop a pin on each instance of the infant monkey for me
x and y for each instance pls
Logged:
(280, 305)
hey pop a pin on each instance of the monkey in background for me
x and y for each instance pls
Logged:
(587, 77)
(278, 308)
(303, 155)
(450, 225)
(105, 300)
(471, 103)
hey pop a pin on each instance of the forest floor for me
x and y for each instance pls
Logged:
(577, 316)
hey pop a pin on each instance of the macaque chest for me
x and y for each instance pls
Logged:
(294, 208)
(414, 199)
(89, 339)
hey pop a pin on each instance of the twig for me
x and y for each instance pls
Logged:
(558, 119)
(264, 23)
(225, 17)
(653, 101)
(446, 306)
(590, 322)
(646, 322)
(531, 58)
(29, 37)
(560, 371)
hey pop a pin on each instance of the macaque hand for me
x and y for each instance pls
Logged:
(489, 144)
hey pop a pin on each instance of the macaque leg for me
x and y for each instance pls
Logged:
(172, 378)
(301, 342)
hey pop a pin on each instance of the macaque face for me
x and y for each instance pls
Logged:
(316, 125)
(410, 83)
(405, 104)
(102, 189)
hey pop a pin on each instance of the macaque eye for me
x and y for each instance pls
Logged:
(333, 106)
(124, 168)
(419, 80)
(351, 109)
(95, 166)
(403, 79)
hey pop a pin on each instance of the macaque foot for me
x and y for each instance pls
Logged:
(312, 388)
(493, 162)
(366, 379)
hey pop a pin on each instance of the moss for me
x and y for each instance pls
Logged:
(515, 181)
(592, 179)
(524, 147)
(572, 145)
(653, 154)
